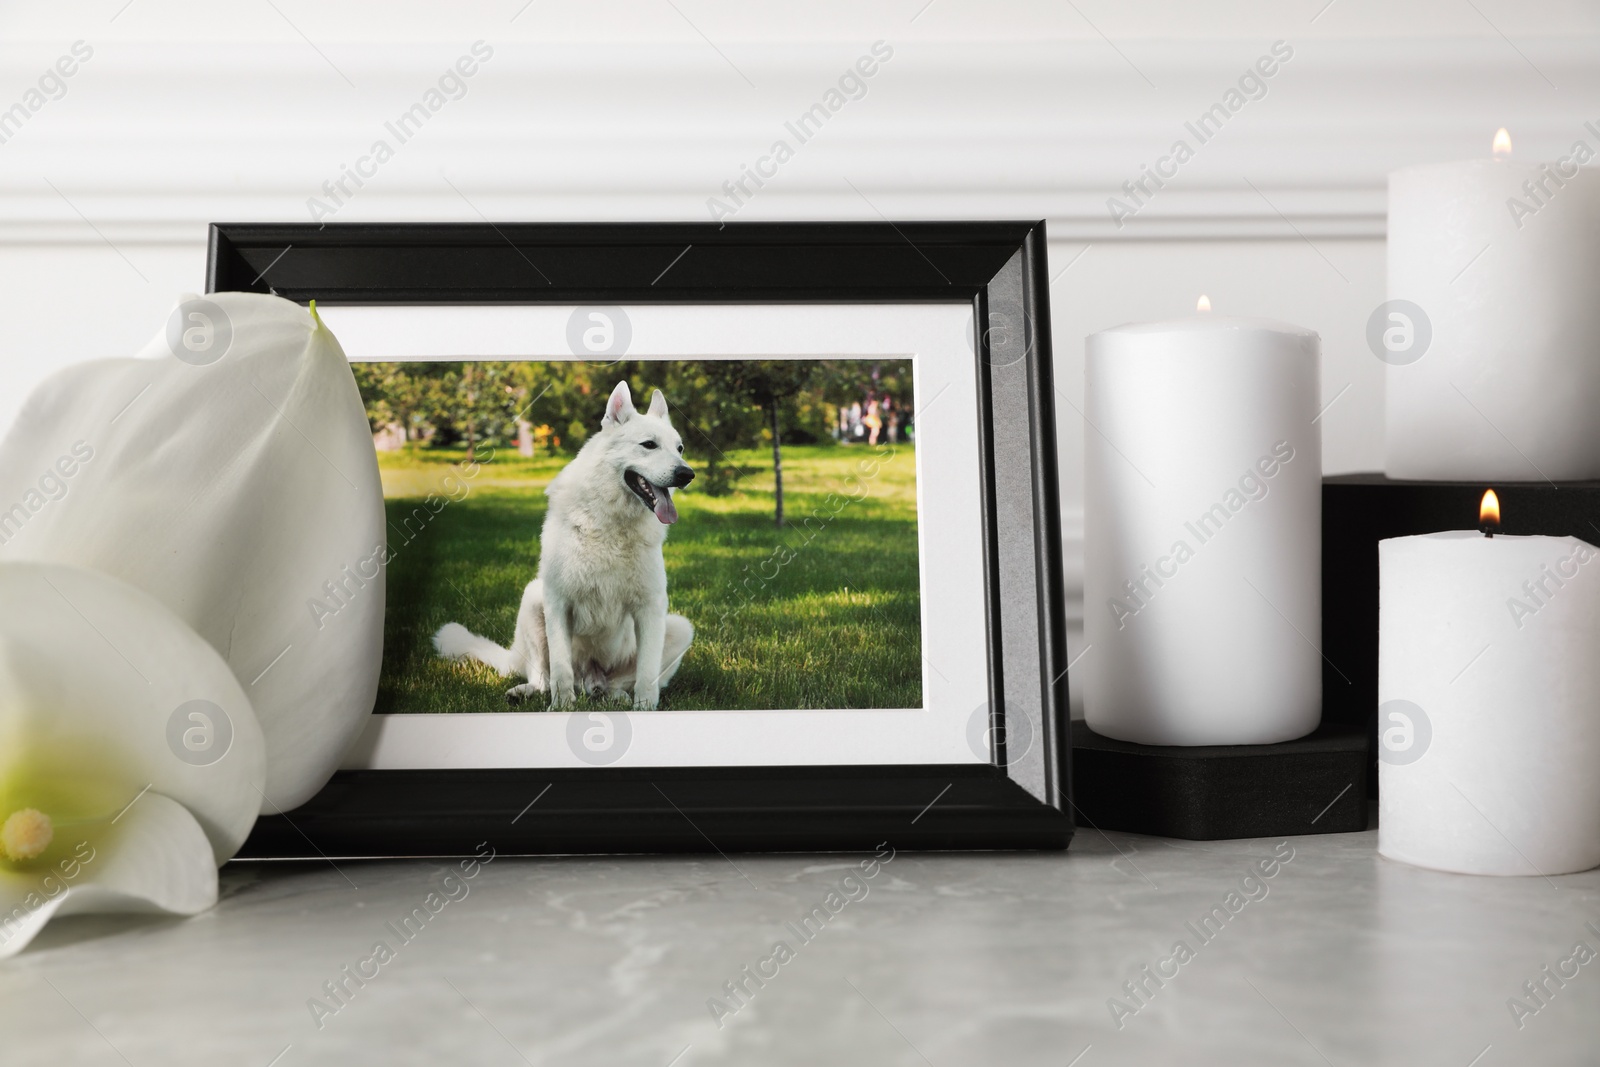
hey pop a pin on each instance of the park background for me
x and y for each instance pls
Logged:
(797, 564)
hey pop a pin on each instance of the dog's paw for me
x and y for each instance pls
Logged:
(562, 699)
(646, 701)
(519, 693)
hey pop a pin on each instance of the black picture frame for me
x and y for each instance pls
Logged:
(1020, 802)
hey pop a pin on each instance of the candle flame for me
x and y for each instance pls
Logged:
(1502, 143)
(1203, 305)
(1489, 509)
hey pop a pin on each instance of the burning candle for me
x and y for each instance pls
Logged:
(1203, 532)
(1489, 701)
(1493, 266)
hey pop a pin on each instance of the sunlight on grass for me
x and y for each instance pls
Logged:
(823, 613)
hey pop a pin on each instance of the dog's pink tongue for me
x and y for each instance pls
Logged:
(666, 511)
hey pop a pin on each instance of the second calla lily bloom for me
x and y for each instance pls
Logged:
(131, 763)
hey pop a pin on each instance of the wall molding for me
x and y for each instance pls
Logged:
(153, 141)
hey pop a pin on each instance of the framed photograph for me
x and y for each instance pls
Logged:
(700, 538)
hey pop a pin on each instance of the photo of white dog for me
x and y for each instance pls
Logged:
(595, 615)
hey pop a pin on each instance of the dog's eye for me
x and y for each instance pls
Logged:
(648, 444)
(680, 450)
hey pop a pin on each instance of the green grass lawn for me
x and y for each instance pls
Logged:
(823, 613)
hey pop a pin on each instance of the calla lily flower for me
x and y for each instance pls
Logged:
(228, 471)
(131, 762)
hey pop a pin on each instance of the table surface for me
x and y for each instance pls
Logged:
(1340, 957)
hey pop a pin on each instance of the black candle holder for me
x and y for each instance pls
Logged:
(1265, 790)
(1358, 511)
(1314, 785)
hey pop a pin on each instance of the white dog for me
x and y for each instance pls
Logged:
(596, 615)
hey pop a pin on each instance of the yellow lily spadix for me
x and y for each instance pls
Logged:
(131, 762)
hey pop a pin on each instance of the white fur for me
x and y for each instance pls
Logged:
(595, 616)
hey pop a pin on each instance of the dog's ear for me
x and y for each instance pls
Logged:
(658, 407)
(619, 408)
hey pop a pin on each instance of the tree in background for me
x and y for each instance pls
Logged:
(766, 384)
(568, 397)
(404, 395)
(466, 413)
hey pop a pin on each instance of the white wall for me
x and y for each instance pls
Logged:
(640, 109)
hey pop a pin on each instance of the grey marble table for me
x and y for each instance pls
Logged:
(1339, 957)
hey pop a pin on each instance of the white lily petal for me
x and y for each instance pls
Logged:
(131, 763)
(239, 486)
(155, 858)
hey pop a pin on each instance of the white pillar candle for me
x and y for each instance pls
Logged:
(1503, 259)
(1489, 703)
(1203, 532)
